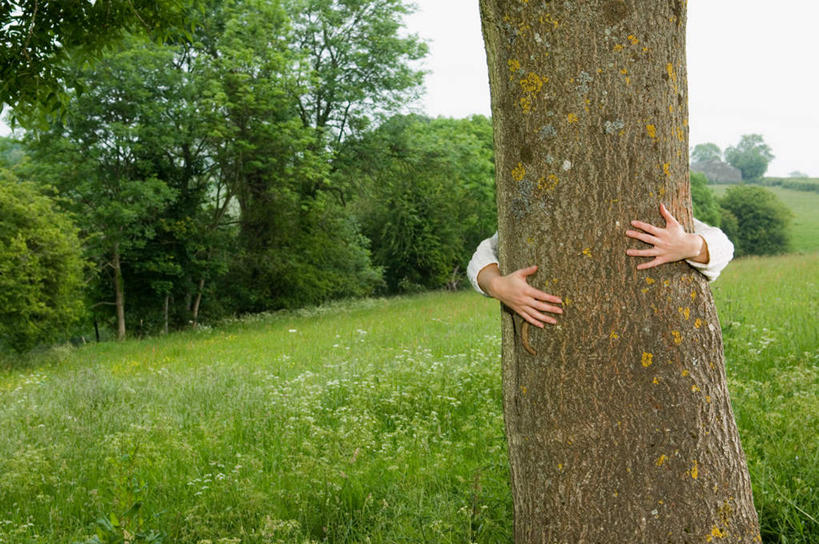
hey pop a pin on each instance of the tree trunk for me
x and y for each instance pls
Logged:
(197, 301)
(119, 294)
(165, 314)
(618, 419)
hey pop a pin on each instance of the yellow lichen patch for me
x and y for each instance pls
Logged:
(671, 108)
(514, 67)
(525, 104)
(667, 168)
(547, 183)
(656, 380)
(519, 172)
(697, 323)
(666, 283)
(695, 471)
(708, 399)
(662, 459)
(567, 301)
(661, 191)
(532, 83)
(647, 359)
(684, 373)
(644, 290)
(680, 134)
(677, 337)
(686, 312)
(614, 335)
(633, 39)
(652, 131)
(549, 19)
(523, 389)
(623, 71)
(649, 280)
(694, 388)
(560, 466)
(572, 118)
(715, 533)
(670, 69)
(587, 252)
(693, 295)
(617, 47)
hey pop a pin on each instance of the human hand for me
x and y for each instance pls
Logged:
(671, 243)
(528, 302)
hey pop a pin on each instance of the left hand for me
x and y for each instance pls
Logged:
(671, 243)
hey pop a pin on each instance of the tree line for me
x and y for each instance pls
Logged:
(258, 164)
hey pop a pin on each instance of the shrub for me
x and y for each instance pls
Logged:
(41, 267)
(762, 221)
(706, 207)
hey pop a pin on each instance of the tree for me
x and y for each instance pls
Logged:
(706, 152)
(423, 191)
(41, 268)
(762, 221)
(354, 62)
(751, 155)
(618, 420)
(39, 37)
(797, 174)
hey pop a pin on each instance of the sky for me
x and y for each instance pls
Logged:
(752, 69)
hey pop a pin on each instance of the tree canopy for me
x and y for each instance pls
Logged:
(751, 155)
(39, 38)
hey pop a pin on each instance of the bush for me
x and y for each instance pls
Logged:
(762, 221)
(706, 207)
(41, 267)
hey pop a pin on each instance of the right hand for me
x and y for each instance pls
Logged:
(525, 300)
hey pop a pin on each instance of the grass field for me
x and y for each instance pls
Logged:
(374, 421)
(805, 208)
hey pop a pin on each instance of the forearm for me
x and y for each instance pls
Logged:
(486, 277)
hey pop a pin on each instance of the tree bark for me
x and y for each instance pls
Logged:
(618, 419)
(119, 293)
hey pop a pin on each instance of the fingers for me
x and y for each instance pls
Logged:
(648, 227)
(537, 294)
(538, 317)
(652, 252)
(651, 264)
(647, 238)
(669, 219)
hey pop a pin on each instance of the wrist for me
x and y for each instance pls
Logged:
(698, 249)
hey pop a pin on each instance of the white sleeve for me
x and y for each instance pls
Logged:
(720, 250)
(485, 254)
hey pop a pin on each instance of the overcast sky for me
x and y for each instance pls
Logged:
(752, 68)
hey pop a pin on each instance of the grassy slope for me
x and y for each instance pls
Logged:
(377, 421)
(805, 207)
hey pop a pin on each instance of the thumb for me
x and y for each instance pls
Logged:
(528, 271)
(669, 219)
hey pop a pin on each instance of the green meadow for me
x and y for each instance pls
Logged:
(375, 421)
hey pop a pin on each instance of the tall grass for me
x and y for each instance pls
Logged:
(373, 421)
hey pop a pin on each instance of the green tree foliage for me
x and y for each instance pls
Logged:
(762, 221)
(706, 207)
(297, 243)
(425, 195)
(11, 152)
(41, 269)
(354, 62)
(38, 38)
(751, 155)
(706, 152)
